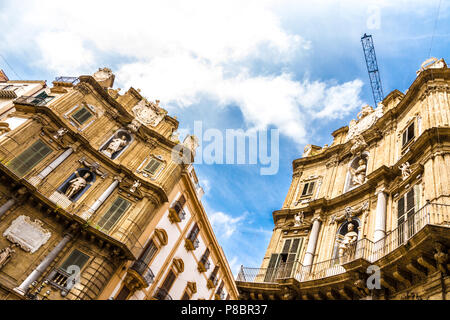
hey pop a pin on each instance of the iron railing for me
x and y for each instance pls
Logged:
(431, 213)
(68, 80)
(33, 101)
(162, 294)
(144, 270)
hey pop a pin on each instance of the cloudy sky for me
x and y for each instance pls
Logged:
(295, 66)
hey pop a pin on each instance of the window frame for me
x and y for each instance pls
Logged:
(29, 169)
(80, 108)
(405, 133)
(101, 228)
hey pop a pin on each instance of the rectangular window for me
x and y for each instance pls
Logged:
(185, 296)
(149, 252)
(114, 213)
(82, 115)
(42, 99)
(123, 294)
(308, 189)
(408, 135)
(406, 207)
(76, 258)
(194, 232)
(153, 166)
(28, 159)
(168, 283)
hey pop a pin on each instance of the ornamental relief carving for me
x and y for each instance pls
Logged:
(29, 235)
(366, 119)
(149, 113)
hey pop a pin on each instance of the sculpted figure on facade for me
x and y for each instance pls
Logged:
(359, 174)
(6, 254)
(149, 113)
(298, 219)
(76, 185)
(406, 170)
(116, 145)
(349, 239)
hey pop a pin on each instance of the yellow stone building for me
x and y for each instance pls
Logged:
(368, 217)
(93, 204)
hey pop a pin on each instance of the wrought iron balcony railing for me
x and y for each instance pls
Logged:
(162, 294)
(431, 213)
(33, 101)
(144, 270)
(68, 80)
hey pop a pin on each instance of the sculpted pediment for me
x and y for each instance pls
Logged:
(366, 119)
(149, 113)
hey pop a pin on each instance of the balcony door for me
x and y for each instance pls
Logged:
(407, 206)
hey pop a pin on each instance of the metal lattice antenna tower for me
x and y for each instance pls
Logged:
(372, 67)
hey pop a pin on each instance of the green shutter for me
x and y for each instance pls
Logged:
(287, 245)
(114, 213)
(153, 166)
(82, 115)
(76, 258)
(311, 188)
(28, 159)
(400, 207)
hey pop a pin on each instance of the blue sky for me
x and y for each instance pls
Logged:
(295, 66)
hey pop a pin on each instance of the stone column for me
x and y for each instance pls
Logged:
(86, 215)
(44, 173)
(380, 218)
(40, 269)
(6, 206)
(311, 250)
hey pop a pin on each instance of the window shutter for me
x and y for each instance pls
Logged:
(287, 245)
(401, 207)
(124, 293)
(404, 138)
(153, 166)
(114, 213)
(149, 252)
(311, 187)
(28, 159)
(305, 189)
(170, 279)
(182, 201)
(410, 202)
(194, 232)
(76, 258)
(411, 132)
(295, 245)
(82, 115)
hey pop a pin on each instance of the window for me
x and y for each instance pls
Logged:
(82, 115)
(123, 294)
(281, 265)
(42, 99)
(213, 277)
(153, 166)
(194, 232)
(185, 296)
(308, 189)
(114, 213)
(204, 263)
(28, 159)
(149, 252)
(407, 205)
(408, 135)
(163, 292)
(219, 292)
(76, 258)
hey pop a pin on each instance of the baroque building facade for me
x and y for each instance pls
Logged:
(368, 217)
(93, 204)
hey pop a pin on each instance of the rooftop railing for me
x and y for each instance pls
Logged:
(431, 213)
(68, 80)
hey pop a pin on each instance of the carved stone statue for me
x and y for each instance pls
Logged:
(441, 257)
(77, 184)
(6, 254)
(365, 111)
(349, 239)
(359, 175)
(406, 170)
(134, 187)
(299, 217)
(307, 151)
(116, 145)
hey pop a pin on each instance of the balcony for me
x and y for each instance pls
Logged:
(162, 294)
(212, 282)
(437, 214)
(58, 278)
(191, 244)
(33, 101)
(66, 81)
(203, 266)
(143, 272)
(176, 217)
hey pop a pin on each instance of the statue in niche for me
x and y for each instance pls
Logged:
(359, 174)
(135, 186)
(349, 239)
(299, 218)
(76, 185)
(116, 145)
(6, 254)
(406, 170)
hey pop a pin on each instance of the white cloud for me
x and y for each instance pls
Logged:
(181, 52)
(223, 224)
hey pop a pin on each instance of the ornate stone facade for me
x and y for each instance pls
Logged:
(87, 184)
(382, 204)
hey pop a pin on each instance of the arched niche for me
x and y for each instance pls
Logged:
(353, 166)
(342, 231)
(80, 173)
(122, 134)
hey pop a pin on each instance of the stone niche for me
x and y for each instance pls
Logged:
(29, 235)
